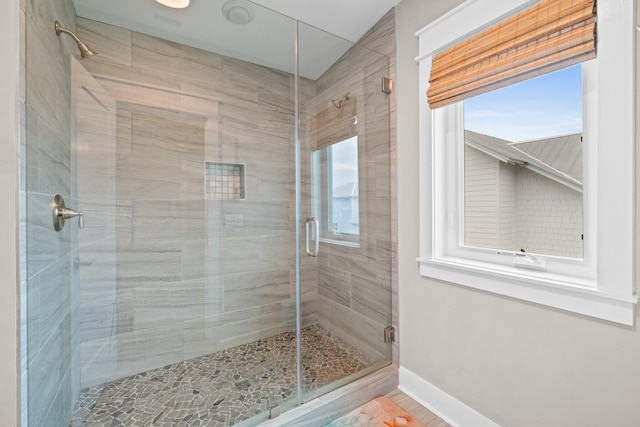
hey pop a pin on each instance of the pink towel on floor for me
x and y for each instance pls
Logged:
(381, 411)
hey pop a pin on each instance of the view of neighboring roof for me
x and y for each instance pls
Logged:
(558, 158)
(346, 191)
(563, 153)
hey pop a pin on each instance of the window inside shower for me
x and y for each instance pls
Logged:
(336, 198)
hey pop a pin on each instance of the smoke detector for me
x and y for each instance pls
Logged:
(238, 11)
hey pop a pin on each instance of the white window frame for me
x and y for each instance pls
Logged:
(602, 283)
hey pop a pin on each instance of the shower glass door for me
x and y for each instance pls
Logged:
(345, 161)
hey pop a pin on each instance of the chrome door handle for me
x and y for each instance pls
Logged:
(60, 212)
(316, 225)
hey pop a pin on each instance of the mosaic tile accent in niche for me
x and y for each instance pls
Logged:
(222, 388)
(224, 181)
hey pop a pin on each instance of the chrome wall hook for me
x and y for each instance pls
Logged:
(60, 213)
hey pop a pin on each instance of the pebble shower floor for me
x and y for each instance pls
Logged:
(222, 388)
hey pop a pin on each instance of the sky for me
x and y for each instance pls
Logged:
(549, 105)
(345, 162)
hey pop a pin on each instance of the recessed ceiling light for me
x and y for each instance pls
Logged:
(238, 11)
(176, 4)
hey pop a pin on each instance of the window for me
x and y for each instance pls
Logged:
(522, 166)
(335, 191)
(598, 280)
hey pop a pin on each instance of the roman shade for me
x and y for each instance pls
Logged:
(548, 36)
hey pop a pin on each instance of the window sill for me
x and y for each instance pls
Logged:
(340, 242)
(576, 296)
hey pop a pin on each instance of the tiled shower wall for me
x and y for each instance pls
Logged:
(193, 275)
(228, 264)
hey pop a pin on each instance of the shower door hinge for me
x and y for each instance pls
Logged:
(387, 85)
(389, 334)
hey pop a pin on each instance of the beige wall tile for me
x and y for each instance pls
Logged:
(246, 290)
(112, 43)
(173, 303)
(335, 285)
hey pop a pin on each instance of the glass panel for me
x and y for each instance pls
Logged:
(177, 299)
(51, 259)
(346, 290)
(523, 166)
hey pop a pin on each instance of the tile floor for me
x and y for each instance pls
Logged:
(222, 388)
(417, 410)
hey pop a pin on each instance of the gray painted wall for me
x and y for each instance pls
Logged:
(518, 364)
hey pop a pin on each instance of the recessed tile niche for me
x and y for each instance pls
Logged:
(224, 181)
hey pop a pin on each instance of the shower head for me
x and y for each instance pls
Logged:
(85, 51)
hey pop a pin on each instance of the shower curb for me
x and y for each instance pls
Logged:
(324, 409)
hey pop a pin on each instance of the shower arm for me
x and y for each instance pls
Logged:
(61, 29)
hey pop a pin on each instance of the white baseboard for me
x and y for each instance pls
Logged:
(445, 406)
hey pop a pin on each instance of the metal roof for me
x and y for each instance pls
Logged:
(562, 153)
(558, 158)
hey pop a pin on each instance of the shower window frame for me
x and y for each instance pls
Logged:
(600, 285)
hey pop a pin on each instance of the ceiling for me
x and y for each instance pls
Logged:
(349, 19)
(267, 40)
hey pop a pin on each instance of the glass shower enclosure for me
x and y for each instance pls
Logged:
(234, 255)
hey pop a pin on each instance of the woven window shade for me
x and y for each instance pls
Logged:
(548, 36)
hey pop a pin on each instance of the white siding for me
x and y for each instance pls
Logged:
(549, 216)
(511, 207)
(508, 207)
(481, 199)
